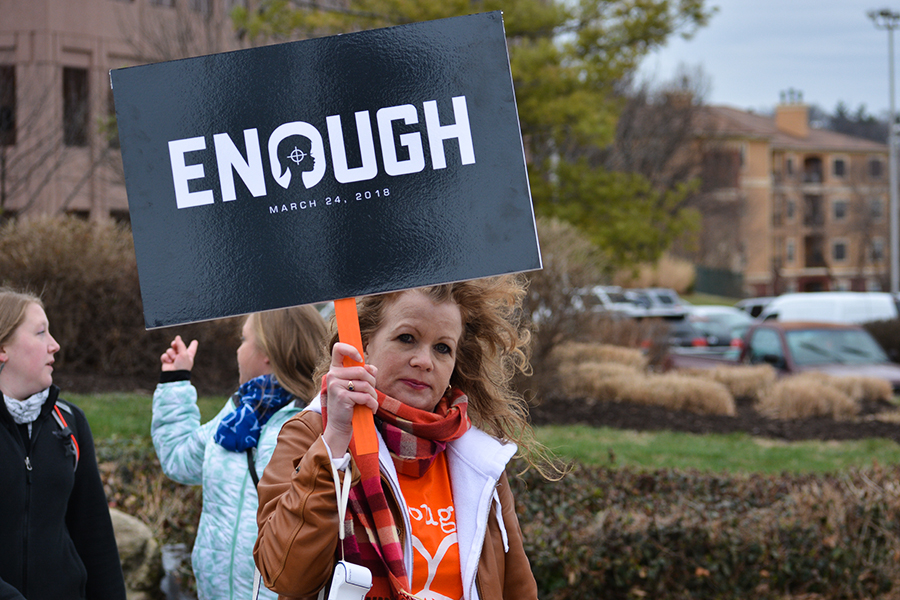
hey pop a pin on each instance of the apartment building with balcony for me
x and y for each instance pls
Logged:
(808, 207)
(58, 145)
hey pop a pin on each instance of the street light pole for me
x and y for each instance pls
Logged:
(889, 20)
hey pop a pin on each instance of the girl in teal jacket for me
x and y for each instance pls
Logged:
(278, 353)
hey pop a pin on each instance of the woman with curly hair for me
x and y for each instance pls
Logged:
(432, 516)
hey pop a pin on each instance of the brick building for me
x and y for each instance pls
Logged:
(58, 148)
(791, 207)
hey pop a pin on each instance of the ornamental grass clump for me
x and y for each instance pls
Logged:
(806, 395)
(596, 381)
(861, 388)
(745, 382)
(579, 352)
(679, 392)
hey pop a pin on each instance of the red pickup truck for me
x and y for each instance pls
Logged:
(795, 347)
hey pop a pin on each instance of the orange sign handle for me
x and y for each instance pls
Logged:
(348, 333)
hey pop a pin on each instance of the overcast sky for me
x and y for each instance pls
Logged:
(754, 49)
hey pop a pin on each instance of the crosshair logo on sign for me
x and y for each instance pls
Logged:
(297, 155)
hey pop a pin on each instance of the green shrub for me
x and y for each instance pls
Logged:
(619, 533)
(86, 275)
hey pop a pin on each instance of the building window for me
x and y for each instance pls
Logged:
(839, 167)
(169, 3)
(876, 209)
(814, 251)
(876, 168)
(111, 126)
(75, 106)
(790, 208)
(789, 252)
(876, 250)
(201, 6)
(813, 210)
(8, 214)
(120, 216)
(839, 208)
(789, 167)
(839, 251)
(812, 170)
(7, 105)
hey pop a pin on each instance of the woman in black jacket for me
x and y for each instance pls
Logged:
(56, 536)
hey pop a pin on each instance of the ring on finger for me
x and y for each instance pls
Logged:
(350, 387)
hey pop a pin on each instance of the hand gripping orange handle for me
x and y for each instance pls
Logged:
(348, 333)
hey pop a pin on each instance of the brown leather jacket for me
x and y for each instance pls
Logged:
(298, 523)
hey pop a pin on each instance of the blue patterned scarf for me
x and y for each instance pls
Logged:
(259, 398)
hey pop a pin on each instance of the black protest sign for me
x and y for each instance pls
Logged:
(323, 169)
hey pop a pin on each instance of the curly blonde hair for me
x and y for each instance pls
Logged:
(495, 346)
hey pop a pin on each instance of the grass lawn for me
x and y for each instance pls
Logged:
(127, 415)
(732, 453)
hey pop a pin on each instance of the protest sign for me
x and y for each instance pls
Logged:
(327, 168)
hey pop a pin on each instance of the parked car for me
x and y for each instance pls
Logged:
(798, 346)
(687, 333)
(753, 306)
(832, 307)
(715, 318)
(659, 302)
(606, 299)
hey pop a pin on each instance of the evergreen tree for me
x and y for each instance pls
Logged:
(571, 60)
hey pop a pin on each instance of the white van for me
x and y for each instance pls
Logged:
(831, 307)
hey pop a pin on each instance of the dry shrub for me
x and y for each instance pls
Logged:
(861, 388)
(86, 275)
(679, 392)
(570, 260)
(580, 352)
(745, 382)
(630, 333)
(667, 272)
(806, 395)
(596, 381)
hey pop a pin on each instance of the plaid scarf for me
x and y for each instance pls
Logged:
(414, 438)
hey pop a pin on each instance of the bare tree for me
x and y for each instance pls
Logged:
(866, 221)
(34, 145)
(171, 30)
(656, 134)
(667, 135)
(181, 29)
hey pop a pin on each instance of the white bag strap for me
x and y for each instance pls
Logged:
(343, 498)
(257, 583)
